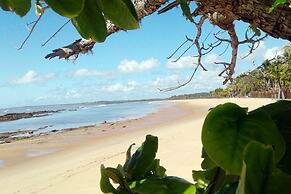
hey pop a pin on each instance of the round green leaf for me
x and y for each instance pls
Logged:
(120, 12)
(206, 162)
(227, 130)
(172, 185)
(5, 5)
(67, 8)
(259, 173)
(280, 112)
(149, 186)
(20, 7)
(179, 186)
(90, 23)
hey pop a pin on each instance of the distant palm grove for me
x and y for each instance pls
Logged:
(272, 79)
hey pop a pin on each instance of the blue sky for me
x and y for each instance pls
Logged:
(128, 65)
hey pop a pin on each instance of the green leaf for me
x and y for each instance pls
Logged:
(158, 170)
(280, 112)
(186, 9)
(5, 5)
(204, 175)
(143, 159)
(206, 163)
(121, 12)
(131, 8)
(227, 130)
(276, 4)
(228, 188)
(105, 185)
(172, 185)
(67, 8)
(90, 23)
(255, 30)
(179, 186)
(116, 175)
(20, 7)
(149, 186)
(259, 174)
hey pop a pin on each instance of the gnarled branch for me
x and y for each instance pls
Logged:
(143, 9)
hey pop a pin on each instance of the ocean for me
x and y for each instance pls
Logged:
(77, 115)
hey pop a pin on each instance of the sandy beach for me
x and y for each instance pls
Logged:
(69, 162)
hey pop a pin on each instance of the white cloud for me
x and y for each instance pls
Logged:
(133, 66)
(71, 94)
(58, 94)
(165, 81)
(263, 53)
(182, 63)
(257, 54)
(273, 52)
(87, 73)
(211, 58)
(32, 77)
(118, 87)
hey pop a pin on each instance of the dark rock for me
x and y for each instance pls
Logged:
(25, 115)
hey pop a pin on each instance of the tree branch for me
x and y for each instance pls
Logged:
(143, 9)
(31, 30)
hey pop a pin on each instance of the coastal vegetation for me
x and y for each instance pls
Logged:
(243, 152)
(190, 96)
(271, 79)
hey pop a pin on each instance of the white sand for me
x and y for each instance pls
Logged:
(70, 162)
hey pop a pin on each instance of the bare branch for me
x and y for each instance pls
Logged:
(222, 39)
(169, 7)
(30, 31)
(180, 85)
(183, 53)
(33, 26)
(254, 43)
(196, 41)
(226, 48)
(187, 40)
(234, 45)
(56, 32)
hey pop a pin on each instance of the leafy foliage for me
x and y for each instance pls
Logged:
(67, 8)
(88, 16)
(244, 153)
(125, 17)
(269, 77)
(20, 7)
(143, 174)
(276, 4)
(259, 173)
(90, 22)
(237, 128)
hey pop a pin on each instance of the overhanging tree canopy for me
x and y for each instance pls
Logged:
(96, 19)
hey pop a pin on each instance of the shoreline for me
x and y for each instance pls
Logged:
(54, 142)
(69, 162)
(16, 135)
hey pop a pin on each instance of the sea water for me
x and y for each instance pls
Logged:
(77, 115)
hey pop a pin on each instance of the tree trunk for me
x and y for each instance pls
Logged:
(277, 23)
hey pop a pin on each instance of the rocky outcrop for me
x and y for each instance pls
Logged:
(25, 115)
